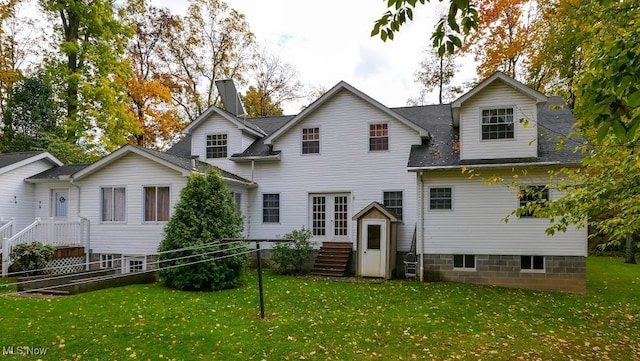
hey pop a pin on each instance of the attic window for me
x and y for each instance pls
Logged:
(497, 123)
(378, 137)
(217, 146)
(310, 140)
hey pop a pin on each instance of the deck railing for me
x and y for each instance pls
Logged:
(6, 229)
(55, 233)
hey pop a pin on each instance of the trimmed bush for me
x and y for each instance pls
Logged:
(206, 213)
(28, 257)
(291, 256)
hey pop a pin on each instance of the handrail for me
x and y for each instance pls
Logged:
(46, 232)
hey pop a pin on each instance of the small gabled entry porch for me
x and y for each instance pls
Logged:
(376, 241)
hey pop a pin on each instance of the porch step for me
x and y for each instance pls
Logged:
(332, 259)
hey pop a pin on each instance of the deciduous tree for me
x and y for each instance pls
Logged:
(503, 37)
(210, 43)
(435, 73)
(148, 89)
(274, 83)
(91, 40)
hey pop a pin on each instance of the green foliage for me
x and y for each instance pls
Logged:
(608, 87)
(90, 70)
(460, 20)
(31, 257)
(291, 256)
(30, 116)
(205, 215)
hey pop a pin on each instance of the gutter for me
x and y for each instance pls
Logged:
(490, 165)
(256, 158)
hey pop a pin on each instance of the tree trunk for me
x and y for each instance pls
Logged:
(630, 250)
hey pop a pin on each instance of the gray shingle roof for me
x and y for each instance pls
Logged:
(442, 150)
(186, 163)
(182, 148)
(11, 158)
(61, 171)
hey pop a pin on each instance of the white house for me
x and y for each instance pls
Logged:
(398, 171)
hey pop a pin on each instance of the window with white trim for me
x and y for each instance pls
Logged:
(156, 204)
(310, 140)
(464, 261)
(271, 208)
(329, 215)
(393, 201)
(106, 261)
(497, 123)
(378, 137)
(440, 198)
(532, 263)
(136, 264)
(533, 196)
(216, 145)
(114, 202)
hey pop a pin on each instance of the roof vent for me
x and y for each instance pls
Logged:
(230, 97)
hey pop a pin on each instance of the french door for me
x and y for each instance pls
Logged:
(330, 216)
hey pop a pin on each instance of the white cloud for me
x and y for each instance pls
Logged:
(329, 41)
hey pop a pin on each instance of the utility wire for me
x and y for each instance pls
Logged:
(63, 276)
(115, 276)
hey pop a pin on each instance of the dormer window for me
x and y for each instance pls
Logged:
(217, 146)
(310, 140)
(497, 123)
(378, 137)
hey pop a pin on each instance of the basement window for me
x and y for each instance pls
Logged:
(464, 262)
(531, 263)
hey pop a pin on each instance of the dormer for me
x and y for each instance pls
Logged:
(498, 119)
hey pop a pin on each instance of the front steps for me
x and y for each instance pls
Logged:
(332, 259)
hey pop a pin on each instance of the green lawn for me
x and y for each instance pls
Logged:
(323, 320)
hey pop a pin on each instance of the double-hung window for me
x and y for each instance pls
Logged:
(156, 204)
(497, 123)
(114, 202)
(310, 140)
(533, 197)
(378, 137)
(271, 208)
(393, 201)
(216, 146)
(440, 198)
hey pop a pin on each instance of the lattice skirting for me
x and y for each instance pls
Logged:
(66, 265)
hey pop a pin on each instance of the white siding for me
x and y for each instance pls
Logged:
(498, 95)
(16, 196)
(237, 142)
(133, 172)
(476, 223)
(344, 165)
(43, 199)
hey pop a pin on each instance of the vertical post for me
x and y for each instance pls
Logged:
(5, 257)
(50, 231)
(260, 281)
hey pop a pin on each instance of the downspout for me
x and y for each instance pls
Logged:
(88, 223)
(420, 231)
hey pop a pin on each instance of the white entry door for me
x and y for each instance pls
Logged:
(59, 203)
(373, 248)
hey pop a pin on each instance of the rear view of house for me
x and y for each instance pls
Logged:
(375, 181)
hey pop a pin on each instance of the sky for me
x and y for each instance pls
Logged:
(329, 41)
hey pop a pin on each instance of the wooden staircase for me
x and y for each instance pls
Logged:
(332, 259)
